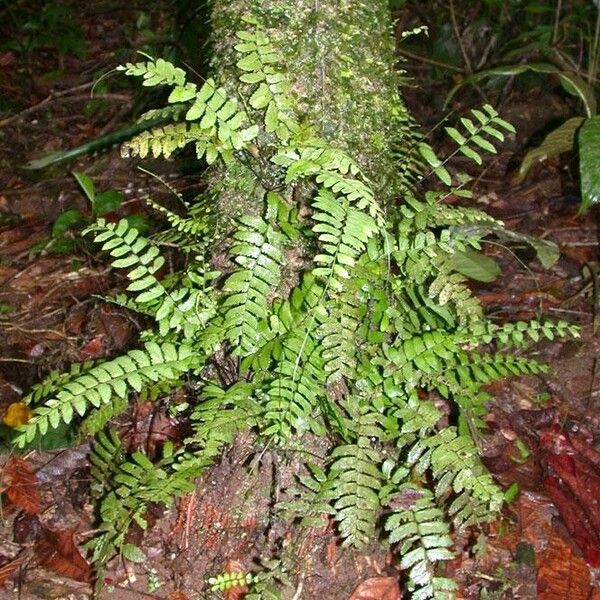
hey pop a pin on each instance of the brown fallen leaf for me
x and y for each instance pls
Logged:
(93, 349)
(573, 484)
(562, 575)
(19, 484)
(9, 568)
(56, 550)
(377, 588)
(178, 595)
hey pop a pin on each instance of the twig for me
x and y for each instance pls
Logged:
(19, 360)
(556, 22)
(430, 61)
(298, 593)
(53, 96)
(463, 51)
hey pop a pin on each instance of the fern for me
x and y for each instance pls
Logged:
(475, 137)
(340, 315)
(417, 526)
(215, 122)
(355, 477)
(256, 250)
(229, 580)
(107, 383)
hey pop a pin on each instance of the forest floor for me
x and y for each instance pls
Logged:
(542, 431)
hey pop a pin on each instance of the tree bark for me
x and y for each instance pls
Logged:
(340, 56)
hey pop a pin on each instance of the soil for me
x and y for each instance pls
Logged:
(542, 431)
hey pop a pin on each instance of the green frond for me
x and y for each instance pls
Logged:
(214, 122)
(155, 72)
(54, 381)
(270, 92)
(107, 383)
(455, 465)
(247, 291)
(340, 333)
(472, 138)
(130, 250)
(344, 314)
(521, 334)
(343, 233)
(354, 476)
(418, 527)
(221, 415)
(297, 387)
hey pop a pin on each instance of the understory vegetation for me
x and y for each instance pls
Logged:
(327, 308)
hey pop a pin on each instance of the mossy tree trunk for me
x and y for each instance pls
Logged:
(340, 56)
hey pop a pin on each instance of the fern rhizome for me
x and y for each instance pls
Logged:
(339, 314)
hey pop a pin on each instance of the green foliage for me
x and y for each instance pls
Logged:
(107, 383)
(257, 250)
(577, 133)
(417, 525)
(559, 140)
(589, 161)
(571, 82)
(227, 581)
(50, 25)
(333, 318)
(124, 486)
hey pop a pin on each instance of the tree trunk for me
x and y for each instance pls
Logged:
(340, 56)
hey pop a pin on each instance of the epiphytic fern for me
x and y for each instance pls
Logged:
(417, 525)
(355, 475)
(340, 315)
(470, 142)
(214, 123)
(108, 382)
(126, 485)
(257, 251)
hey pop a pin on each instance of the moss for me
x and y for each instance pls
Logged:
(340, 56)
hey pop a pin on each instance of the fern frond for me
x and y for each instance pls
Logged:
(456, 466)
(108, 381)
(340, 333)
(256, 249)
(215, 119)
(417, 525)
(343, 232)
(489, 123)
(155, 72)
(261, 68)
(355, 476)
(106, 452)
(229, 580)
(297, 387)
(220, 415)
(54, 381)
(130, 250)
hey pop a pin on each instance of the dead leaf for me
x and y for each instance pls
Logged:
(377, 588)
(561, 574)
(178, 595)
(17, 413)
(26, 528)
(20, 485)
(10, 567)
(93, 349)
(573, 484)
(7, 58)
(56, 551)
(534, 514)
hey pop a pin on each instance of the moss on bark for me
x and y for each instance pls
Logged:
(340, 56)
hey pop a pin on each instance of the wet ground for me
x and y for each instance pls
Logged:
(542, 431)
